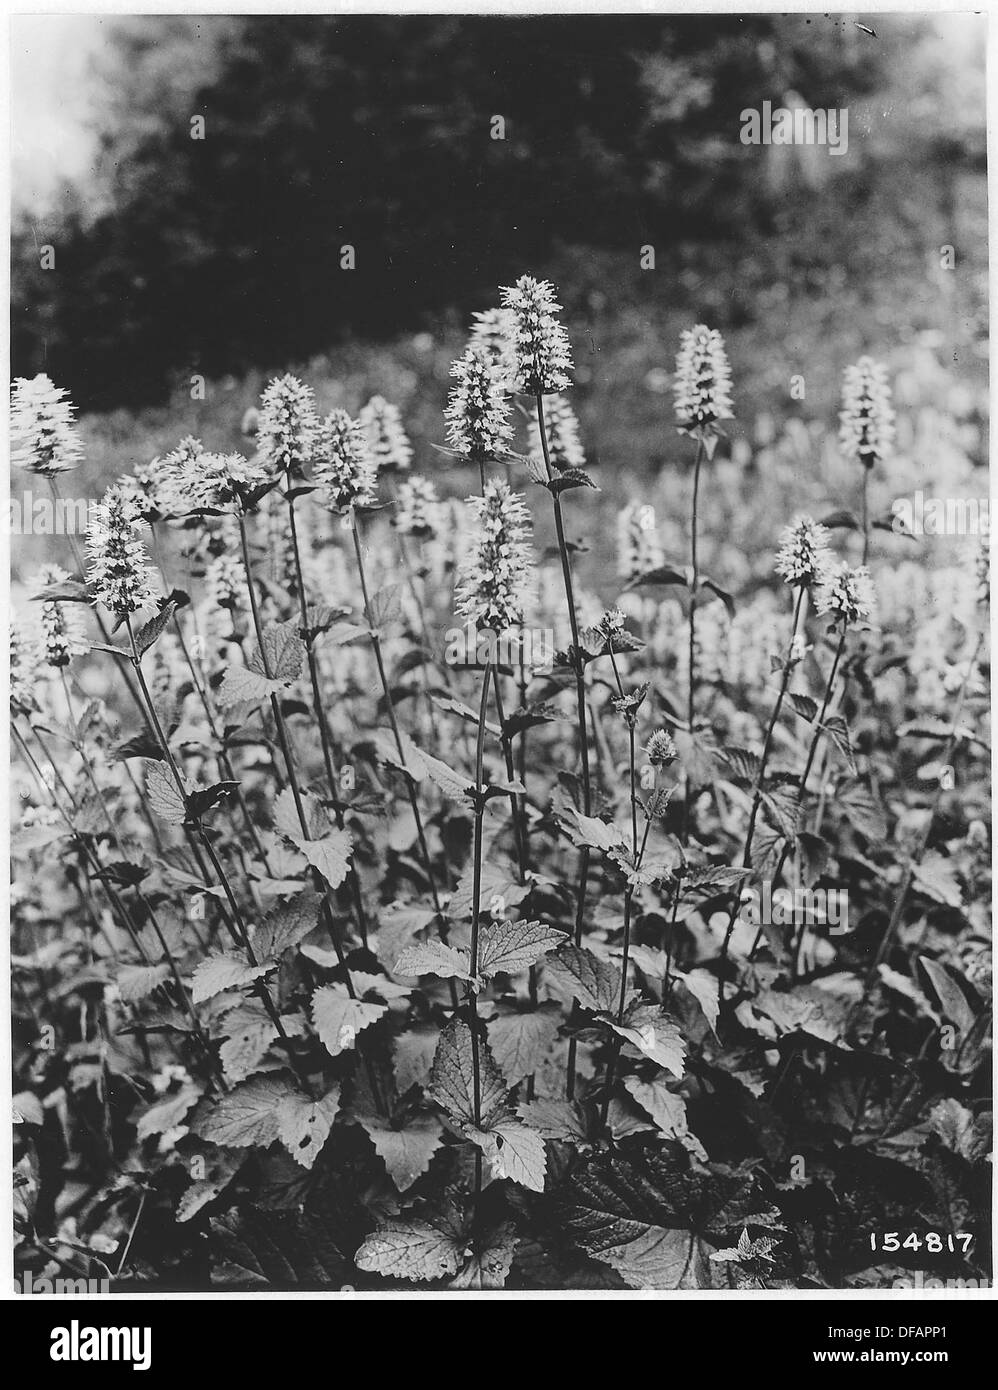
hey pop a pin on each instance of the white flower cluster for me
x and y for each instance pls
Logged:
(561, 430)
(543, 357)
(478, 413)
(44, 437)
(417, 508)
(387, 441)
(846, 593)
(23, 667)
(287, 425)
(638, 548)
(119, 573)
(495, 575)
(866, 420)
(804, 554)
(343, 466)
(493, 331)
(62, 632)
(703, 380)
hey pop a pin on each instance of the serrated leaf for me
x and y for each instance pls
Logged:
(805, 706)
(330, 855)
(744, 765)
(952, 1000)
(520, 1042)
(491, 1260)
(554, 1119)
(514, 946)
(303, 1124)
(666, 1108)
(936, 877)
(283, 656)
(247, 1115)
(338, 1018)
(838, 731)
(451, 1084)
(287, 926)
(163, 794)
(414, 1052)
(588, 830)
(224, 971)
(862, 811)
(406, 1153)
(240, 685)
(202, 799)
(433, 957)
(151, 631)
(135, 982)
(168, 1113)
(248, 1034)
(515, 1152)
(575, 973)
(654, 1035)
(221, 1170)
(410, 1250)
(705, 990)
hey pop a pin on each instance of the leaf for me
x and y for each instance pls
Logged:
(283, 655)
(142, 745)
(705, 989)
(247, 1115)
(168, 1113)
(451, 1084)
(303, 1124)
(386, 605)
(135, 982)
(554, 1119)
(654, 1035)
(744, 765)
(433, 957)
(862, 811)
(163, 794)
(406, 1153)
(514, 946)
(68, 591)
(805, 706)
(960, 1131)
(515, 1152)
(520, 1042)
(287, 926)
(338, 1018)
(645, 1211)
(414, 1053)
(666, 1108)
(202, 799)
(951, 997)
(838, 731)
(597, 834)
(330, 855)
(841, 520)
(575, 973)
(936, 877)
(224, 971)
(662, 575)
(491, 1260)
(240, 685)
(221, 1170)
(250, 1034)
(151, 631)
(410, 1250)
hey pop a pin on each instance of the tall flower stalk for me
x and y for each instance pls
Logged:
(702, 390)
(866, 426)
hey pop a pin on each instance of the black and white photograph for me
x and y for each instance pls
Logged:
(500, 750)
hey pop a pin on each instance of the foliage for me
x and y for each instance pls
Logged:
(336, 964)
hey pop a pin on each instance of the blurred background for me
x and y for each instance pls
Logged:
(221, 256)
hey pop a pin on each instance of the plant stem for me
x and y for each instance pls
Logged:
(476, 893)
(393, 721)
(580, 707)
(763, 758)
(328, 757)
(694, 592)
